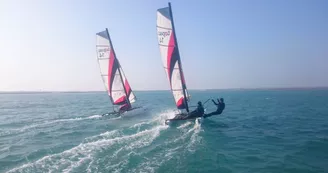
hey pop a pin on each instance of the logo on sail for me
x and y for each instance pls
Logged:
(164, 33)
(102, 51)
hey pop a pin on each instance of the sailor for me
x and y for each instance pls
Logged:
(220, 107)
(124, 108)
(198, 112)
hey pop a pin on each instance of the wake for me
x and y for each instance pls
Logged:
(113, 150)
(46, 124)
(187, 142)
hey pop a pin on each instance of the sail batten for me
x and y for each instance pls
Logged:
(111, 72)
(163, 27)
(171, 57)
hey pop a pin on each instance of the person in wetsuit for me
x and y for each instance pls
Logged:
(199, 112)
(220, 107)
(124, 108)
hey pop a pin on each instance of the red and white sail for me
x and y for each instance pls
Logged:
(115, 82)
(132, 97)
(171, 57)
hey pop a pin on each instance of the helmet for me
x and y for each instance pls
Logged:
(199, 102)
(221, 99)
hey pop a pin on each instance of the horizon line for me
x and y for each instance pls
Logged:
(255, 88)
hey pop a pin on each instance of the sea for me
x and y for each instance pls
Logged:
(261, 130)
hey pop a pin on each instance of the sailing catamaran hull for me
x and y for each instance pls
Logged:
(133, 111)
(111, 113)
(184, 116)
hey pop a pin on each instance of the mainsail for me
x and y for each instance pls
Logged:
(112, 74)
(171, 58)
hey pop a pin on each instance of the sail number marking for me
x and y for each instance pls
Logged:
(102, 52)
(162, 35)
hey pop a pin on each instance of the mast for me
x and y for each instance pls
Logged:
(119, 71)
(179, 60)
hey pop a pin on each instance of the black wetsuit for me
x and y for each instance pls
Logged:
(219, 110)
(199, 112)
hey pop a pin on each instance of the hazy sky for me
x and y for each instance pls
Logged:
(50, 44)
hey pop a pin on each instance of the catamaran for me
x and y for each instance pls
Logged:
(171, 60)
(113, 77)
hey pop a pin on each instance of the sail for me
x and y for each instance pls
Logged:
(131, 96)
(171, 57)
(115, 82)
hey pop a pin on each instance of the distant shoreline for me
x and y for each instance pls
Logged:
(233, 89)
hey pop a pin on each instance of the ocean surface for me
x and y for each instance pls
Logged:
(260, 131)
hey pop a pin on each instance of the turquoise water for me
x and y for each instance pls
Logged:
(260, 131)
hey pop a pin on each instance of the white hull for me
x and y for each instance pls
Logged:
(134, 112)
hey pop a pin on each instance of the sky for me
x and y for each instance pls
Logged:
(50, 45)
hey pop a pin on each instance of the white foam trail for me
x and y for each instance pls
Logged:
(151, 164)
(76, 119)
(195, 138)
(160, 119)
(108, 134)
(190, 138)
(183, 137)
(94, 117)
(4, 133)
(46, 123)
(78, 163)
(132, 146)
(138, 125)
(85, 151)
(117, 166)
(146, 141)
(170, 152)
(5, 149)
(188, 131)
(116, 118)
(184, 125)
